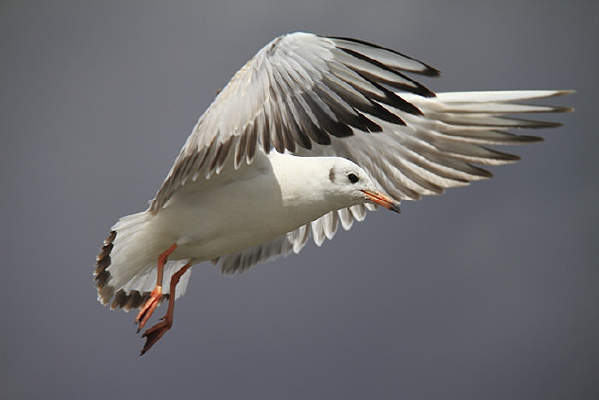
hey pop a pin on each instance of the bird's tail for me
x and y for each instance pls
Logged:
(126, 267)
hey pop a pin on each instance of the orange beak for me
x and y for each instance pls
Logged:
(382, 200)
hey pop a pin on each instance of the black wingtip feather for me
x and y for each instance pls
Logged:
(427, 71)
(418, 88)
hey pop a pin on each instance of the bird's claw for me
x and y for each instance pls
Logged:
(148, 309)
(154, 333)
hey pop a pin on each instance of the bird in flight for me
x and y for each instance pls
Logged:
(307, 136)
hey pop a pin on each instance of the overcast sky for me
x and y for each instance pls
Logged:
(486, 292)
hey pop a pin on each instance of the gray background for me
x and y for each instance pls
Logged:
(487, 292)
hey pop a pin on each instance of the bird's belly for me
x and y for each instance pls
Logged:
(238, 215)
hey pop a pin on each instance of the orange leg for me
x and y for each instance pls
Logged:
(146, 311)
(154, 333)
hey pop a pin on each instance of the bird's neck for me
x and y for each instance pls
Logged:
(304, 185)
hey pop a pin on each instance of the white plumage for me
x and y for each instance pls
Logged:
(335, 107)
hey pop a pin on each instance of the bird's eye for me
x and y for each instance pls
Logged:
(353, 178)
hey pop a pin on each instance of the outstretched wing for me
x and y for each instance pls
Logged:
(299, 91)
(438, 148)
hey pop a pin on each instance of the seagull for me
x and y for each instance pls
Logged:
(307, 136)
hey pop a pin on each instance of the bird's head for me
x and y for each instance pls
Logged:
(350, 182)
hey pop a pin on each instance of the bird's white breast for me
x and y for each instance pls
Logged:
(241, 208)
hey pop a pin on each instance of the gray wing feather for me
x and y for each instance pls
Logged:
(438, 148)
(298, 91)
